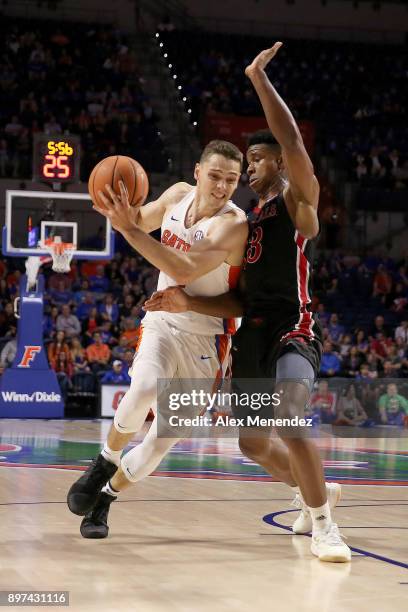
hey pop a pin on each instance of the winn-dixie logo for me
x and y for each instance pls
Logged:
(29, 354)
(36, 396)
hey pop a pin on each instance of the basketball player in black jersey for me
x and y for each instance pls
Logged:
(279, 336)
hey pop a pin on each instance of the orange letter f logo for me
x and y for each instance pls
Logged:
(29, 354)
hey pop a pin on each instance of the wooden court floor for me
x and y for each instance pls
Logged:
(208, 532)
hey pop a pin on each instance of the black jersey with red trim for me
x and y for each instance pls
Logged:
(276, 279)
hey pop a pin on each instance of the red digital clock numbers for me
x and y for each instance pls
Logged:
(56, 167)
(56, 158)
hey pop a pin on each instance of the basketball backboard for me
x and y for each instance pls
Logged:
(32, 217)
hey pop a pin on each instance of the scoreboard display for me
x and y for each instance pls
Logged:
(56, 159)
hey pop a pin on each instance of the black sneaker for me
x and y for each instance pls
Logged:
(95, 524)
(84, 492)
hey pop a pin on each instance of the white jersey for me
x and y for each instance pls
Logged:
(174, 234)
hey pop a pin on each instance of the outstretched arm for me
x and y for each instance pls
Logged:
(302, 193)
(174, 299)
(184, 267)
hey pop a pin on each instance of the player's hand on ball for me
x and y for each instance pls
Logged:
(172, 299)
(262, 60)
(116, 208)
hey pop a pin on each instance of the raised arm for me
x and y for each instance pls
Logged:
(227, 239)
(302, 193)
(174, 299)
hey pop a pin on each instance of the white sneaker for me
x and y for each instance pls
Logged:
(303, 523)
(329, 546)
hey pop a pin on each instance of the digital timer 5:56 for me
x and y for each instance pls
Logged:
(56, 158)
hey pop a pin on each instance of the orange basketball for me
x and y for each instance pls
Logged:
(117, 168)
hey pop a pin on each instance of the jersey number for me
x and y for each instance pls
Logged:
(255, 247)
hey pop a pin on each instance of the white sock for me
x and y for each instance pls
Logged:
(321, 517)
(110, 490)
(296, 490)
(111, 455)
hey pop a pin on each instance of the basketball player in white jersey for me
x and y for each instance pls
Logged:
(202, 246)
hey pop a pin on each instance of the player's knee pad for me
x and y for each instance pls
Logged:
(127, 466)
(135, 405)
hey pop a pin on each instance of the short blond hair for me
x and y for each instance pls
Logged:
(224, 148)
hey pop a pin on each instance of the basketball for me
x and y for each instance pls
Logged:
(117, 168)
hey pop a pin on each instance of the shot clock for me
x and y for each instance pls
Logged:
(56, 158)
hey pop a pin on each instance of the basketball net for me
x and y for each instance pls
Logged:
(60, 252)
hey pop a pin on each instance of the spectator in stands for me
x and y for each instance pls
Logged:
(14, 286)
(109, 309)
(86, 305)
(392, 406)
(388, 371)
(117, 374)
(91, 323)
(9, 351)
(128, 358)
(336, 330)
(324, 402)
(379, 346)
(13, 280)
(64, 370)
(4, 291)
(397, 299)
(137, 313)
(60, 295)
(376, 165)
(349, 409)
(133, 271)
(352, 362)
(63, 364)
(125, 308)
(324, 316)
(116, 279)
(131, 333)
(98, 354)
(84, 290)
(68, 322)
(108, 333)
(345, 346)
(372, 363)
(382, 282)
(331, 364)
(402, 331)
(98, 282)
(78, 356)
(118, 351)
(361, 342)
(8, 320)
(379, 327)
(364, 375)
(361, 168)
(393, 359)
(402, 354)
(50, 322)
(58, 346)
